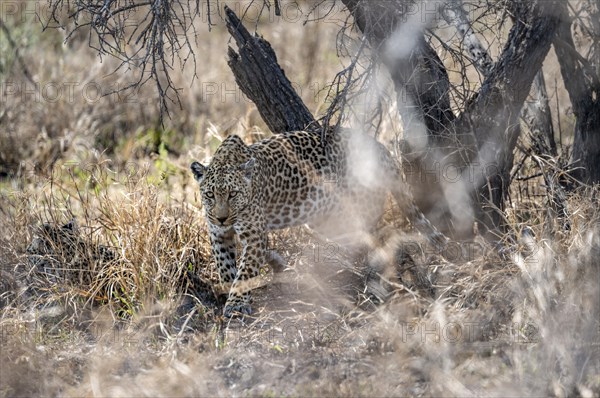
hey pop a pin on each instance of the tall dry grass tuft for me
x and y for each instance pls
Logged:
(159, 246)
(103, 238)
(559, 295)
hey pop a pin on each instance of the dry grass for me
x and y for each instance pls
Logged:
(149, 324)
(145, 321)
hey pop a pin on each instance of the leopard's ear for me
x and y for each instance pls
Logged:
(72, 225)
(248, 168)
(198, 170)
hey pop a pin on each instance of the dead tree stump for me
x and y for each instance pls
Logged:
(263, 81)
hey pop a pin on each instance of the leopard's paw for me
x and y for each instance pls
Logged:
(237, 309)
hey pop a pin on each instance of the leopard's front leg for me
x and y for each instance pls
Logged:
(224, 252)
(253, 239)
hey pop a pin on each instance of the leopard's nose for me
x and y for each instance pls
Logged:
(222, 219)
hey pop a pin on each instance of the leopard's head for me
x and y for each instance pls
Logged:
(225, 186)
(51, 238)
(53, 247)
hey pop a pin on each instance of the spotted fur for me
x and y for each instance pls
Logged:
(61, 253)
(338, 187)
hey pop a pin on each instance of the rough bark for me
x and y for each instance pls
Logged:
(262, 80)
(583, 85)
(535, 113)
(421, 74)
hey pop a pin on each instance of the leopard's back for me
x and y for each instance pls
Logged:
(302, 180)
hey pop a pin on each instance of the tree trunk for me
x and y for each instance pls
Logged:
(493, 117)
(538, 117)
(583, 85)
(536, 112)
(422, 90)
(262, 80)
(484, 136)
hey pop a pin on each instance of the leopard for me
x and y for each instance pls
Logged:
(335, 183)
(61, 253)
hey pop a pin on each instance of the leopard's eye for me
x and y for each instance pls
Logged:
(209, 195)
(233, 194)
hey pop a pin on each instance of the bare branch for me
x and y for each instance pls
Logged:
(454, 14)
(151, 36)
